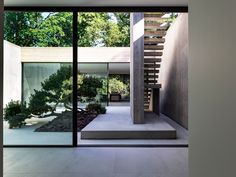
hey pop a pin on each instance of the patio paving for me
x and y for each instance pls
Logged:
(117, 124)
(27, 136)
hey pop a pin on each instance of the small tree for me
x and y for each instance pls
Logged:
(51, 93)
(58, 89)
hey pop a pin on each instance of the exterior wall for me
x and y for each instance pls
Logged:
(174, 72)
(36, 67)
(85, 54)
(12, 72)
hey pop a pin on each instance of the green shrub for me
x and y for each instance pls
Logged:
(97, 107)
(15, 114)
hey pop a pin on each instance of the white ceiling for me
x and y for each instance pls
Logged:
(96, 2)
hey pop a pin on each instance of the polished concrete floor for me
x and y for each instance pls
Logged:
(27, 136)
(181, 140)
(95, 162)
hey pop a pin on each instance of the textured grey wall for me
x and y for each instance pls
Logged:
(174, 72)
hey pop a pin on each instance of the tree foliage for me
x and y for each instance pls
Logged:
(89, 87)
(55, 29)
(116, 86)
(52, 92)
(58, 88)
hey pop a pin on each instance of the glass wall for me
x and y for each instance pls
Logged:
(119, 84)
(115, 81)
(37, 86)
(98, 71)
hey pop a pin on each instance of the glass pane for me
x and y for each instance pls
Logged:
(119, 84)
(97, 71)
(104, 37)
(38, 78)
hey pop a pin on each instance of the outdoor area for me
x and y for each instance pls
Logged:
(38, 76)
(38, 85)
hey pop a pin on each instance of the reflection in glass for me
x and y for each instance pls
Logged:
(37, 78)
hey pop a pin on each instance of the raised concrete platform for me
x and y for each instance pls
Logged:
(117, 124)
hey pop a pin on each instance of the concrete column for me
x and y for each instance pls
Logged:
(136, 68)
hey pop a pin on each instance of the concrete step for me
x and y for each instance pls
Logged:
(150, 81)
(151, 71)
(153, 53)
(154, 40)
(153, 23)
(155, 27)
(152, 60)
(153, 47)
(155, 33)
(152, 85)
(151, 76)
(119, 125)
(150, 65)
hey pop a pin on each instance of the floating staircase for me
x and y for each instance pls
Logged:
(154, 38)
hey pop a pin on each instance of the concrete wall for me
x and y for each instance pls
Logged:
(12, 72)
(174, 72)
(212, 86)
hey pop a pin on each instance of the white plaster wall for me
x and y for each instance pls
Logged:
(12, 72)
(85, 54)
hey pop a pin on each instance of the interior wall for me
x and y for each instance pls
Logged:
(212, 86)
(174, 72)
(12, 73)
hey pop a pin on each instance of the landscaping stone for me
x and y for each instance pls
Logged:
(63, 122)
